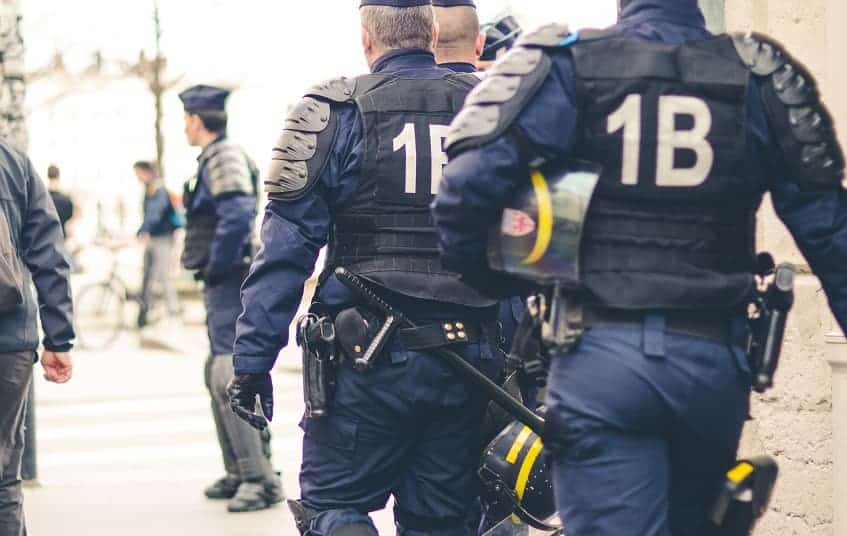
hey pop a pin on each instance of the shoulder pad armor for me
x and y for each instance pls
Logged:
(336, 90)
(761, 54)
(228, 170)
(798, 118)
(303, 148)
(493, 105)
(550, 35)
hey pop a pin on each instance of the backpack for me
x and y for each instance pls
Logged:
(177, 213)
(11, 277)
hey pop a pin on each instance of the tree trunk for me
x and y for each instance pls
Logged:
(13, 88)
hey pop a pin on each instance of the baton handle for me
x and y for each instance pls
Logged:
(463, 368)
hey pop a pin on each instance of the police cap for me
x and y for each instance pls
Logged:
(204, 99)
(453, 3)
(396, 3)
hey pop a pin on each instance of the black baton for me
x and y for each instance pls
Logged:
(469, 372)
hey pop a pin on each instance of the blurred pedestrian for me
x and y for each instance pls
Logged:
(157, 235)
(63, 202)
(31, 253)
(220, 208)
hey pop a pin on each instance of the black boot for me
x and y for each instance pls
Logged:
(223, 488)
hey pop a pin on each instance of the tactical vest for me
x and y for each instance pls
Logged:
(228, 170)
(385, 232)
(672, 224)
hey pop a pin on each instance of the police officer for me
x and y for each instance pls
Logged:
(500, 36)
(459, 40)
(460, 44)
(691, 131)
(220, 210)
(356, 168)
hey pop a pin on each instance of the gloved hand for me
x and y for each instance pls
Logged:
(243, 390)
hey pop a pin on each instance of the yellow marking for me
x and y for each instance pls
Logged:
(740, 472)
(517, 446)
(526, 468)
(545, 218)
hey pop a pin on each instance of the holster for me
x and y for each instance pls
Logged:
(767, 326)
(316, 338)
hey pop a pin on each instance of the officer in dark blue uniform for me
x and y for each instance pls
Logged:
(691, 131)
(356, 168)
(220, 210)
(460, 45)
(459, 40)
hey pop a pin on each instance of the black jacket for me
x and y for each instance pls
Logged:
(37, 238)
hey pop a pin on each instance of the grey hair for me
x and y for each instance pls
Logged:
(392, 28)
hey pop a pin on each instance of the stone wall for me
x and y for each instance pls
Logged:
(793, 422)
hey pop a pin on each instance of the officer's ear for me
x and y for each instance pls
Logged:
(367, 42)
(480, 44)
(436, 31)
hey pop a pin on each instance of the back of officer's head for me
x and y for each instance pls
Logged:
(386, 28)
(459, 38)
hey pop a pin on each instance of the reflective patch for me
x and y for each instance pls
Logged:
(517, 446)
(740, 472)
(526, 468)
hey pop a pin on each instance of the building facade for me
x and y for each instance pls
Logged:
(801, 421)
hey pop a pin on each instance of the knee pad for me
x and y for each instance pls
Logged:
(311, 522)
(409, 524)
(358, 529)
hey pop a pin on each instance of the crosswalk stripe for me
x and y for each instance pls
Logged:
(137, 454)
(152, 427)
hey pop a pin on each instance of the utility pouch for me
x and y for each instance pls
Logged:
(316, 338)
(355, 329)
(769, 316)
(548, 326)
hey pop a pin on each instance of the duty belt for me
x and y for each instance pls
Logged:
(713, 325)
(446, 333)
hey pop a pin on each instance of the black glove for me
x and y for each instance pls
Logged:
(243, 390)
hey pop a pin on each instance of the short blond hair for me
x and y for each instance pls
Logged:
(392, 28)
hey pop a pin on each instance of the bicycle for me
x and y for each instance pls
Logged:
(102, 307)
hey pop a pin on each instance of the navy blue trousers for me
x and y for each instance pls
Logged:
(223, 307)
(655, 422)
(408, 428)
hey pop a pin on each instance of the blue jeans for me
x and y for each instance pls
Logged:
(408, 428)
(654, 422)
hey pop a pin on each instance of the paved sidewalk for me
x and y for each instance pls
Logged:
(128, 446)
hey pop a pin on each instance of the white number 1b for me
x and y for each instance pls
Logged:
(670, 139)
(407, 140)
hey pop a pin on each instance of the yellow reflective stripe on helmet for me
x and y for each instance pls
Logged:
(526, 468)
(545, 218)
(517, 446)
(740, 472)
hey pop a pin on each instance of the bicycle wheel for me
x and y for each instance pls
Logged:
(99, 311)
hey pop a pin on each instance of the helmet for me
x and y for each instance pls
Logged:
(516, 480)
(540, 233)
(500, 35)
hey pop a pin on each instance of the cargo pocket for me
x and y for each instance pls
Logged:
(329, 447)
